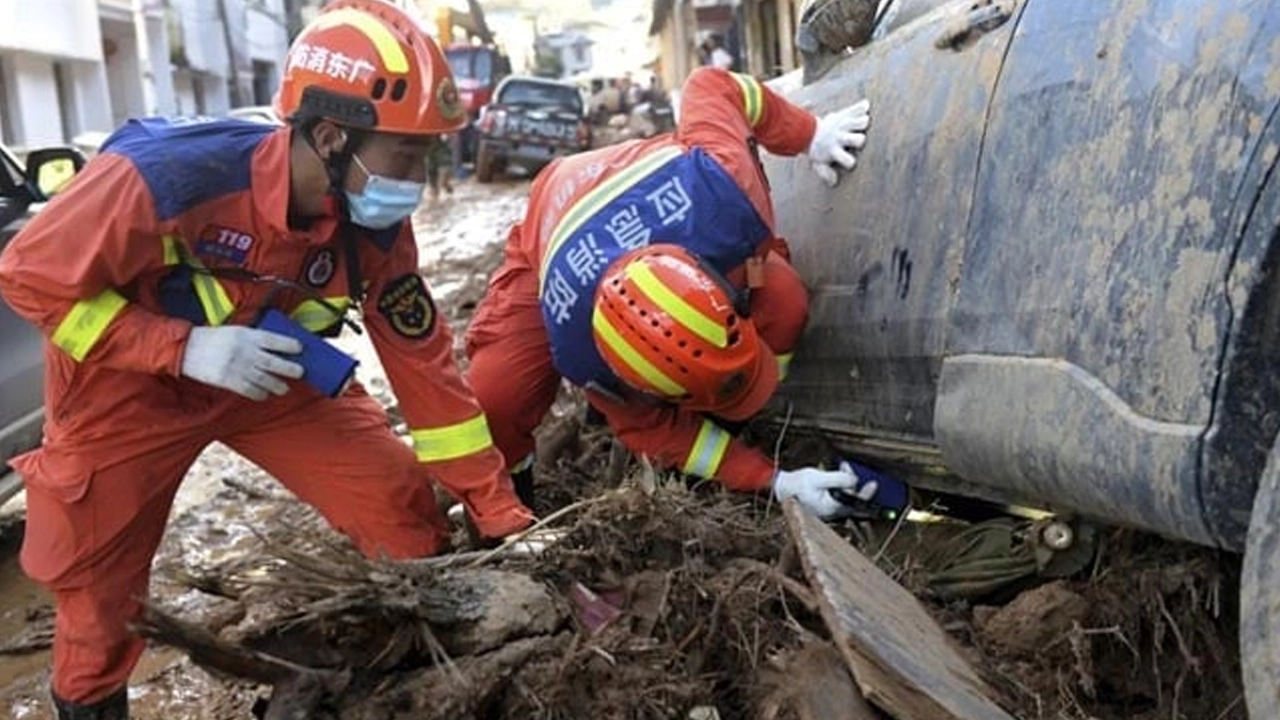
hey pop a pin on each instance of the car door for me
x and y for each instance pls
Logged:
(1104, 274)
(21, 346)
(882, 251)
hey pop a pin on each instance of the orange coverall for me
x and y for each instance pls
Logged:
(109, 272)
(511, 368)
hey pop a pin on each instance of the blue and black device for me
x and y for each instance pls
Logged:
(325, 368)
(892, 497)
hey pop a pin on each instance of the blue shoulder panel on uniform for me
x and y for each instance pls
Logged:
(188, 161)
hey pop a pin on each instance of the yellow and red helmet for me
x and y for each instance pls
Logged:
(669, 327)
(367, 64)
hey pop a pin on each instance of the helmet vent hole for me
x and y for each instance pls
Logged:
(379, 88)
(399, 89)
(697, 353)
(653, 323)
(733, 338)
(667, 333)
(682, 343)
(644, 313)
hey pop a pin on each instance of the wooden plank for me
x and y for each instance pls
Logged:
(901, 659)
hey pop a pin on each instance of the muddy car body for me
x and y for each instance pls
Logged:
(1055, 280)
(21, 346)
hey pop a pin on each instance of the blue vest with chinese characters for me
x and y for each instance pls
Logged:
(670, 196)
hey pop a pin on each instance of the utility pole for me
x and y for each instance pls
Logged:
(223, 15)
(150, 103)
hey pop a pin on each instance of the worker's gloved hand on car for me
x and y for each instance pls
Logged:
(812, 488)
(241, 359)
(837, 136)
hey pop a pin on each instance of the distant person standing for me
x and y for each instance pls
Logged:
(714, 54)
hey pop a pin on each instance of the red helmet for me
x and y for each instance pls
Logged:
(669, 327)
(367, 64)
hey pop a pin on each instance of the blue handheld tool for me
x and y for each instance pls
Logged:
(891, 499)
(325, 367)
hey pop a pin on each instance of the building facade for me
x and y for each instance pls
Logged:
(79, 68)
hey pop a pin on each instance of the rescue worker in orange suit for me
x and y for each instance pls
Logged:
(147, 276)
(648, 273)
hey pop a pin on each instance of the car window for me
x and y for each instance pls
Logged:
(470, 65)
(541, 95)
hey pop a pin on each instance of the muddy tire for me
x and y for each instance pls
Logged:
(485, 164)
(1259, 604)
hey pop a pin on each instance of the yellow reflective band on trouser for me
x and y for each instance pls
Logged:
(784, 365)
(752, 97)
(675, 306)
(592, 202)
(452, 441)
(708, 451)
(83, 326)
(652, 375)
(213, 297)
(393, 57)
(314, 316)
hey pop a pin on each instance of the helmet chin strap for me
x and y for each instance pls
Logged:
(335, 167)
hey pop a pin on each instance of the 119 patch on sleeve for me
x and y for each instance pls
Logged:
(407, 305)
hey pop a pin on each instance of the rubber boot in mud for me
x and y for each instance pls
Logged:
(523, 480)
(112, 707)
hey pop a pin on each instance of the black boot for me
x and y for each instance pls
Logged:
(112, 707)
(523, 481)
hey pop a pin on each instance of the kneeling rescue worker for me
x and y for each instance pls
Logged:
(147, 275)
(648, 273)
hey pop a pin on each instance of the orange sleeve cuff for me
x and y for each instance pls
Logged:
(745, 469)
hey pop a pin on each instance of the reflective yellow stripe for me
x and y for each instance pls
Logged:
(83, 326)
(213, 297)
(592, 202)
(683, 313)
(452, 441)
(393, 57)
(217, 305)
(708, 451)
(644, 368)
(752, 97)
(173, 251)
(784, 365)
(314, 316)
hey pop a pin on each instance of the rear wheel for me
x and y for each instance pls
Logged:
(485, 163)
(1260, 598)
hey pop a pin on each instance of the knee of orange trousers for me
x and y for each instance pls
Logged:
(780, 306)
(514, 394)
(395, 517)
(94, 650)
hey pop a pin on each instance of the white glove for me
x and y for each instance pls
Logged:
(241, 359)
(812, 488)
(837, 134)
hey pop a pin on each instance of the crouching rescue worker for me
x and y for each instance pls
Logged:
(648, 274)
(147, 276)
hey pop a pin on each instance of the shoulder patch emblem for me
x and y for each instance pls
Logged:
(407, 305)
(320, 268)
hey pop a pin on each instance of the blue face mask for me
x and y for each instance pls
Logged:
(384, 201)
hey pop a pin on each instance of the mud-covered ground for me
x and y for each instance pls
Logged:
(695, 604)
